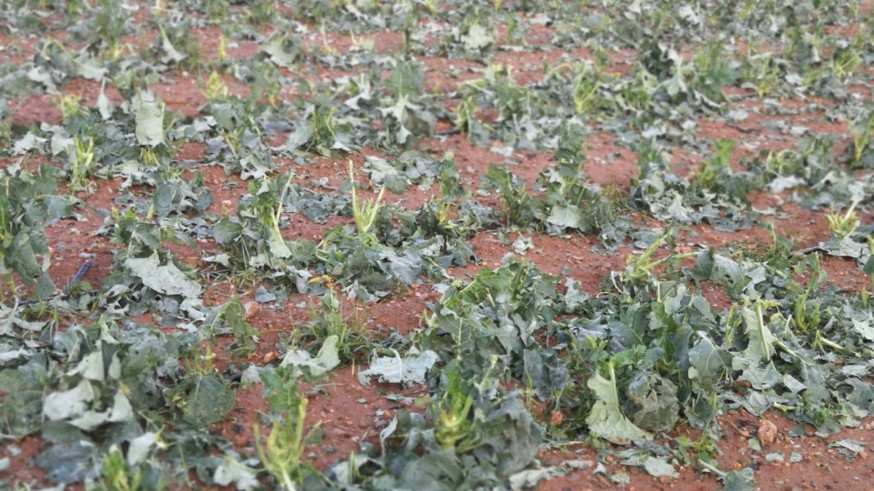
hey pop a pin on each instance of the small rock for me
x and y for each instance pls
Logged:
(252, 309)
(556, 418)
(270, 357)
(767, 433)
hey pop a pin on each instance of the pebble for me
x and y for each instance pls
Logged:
(767, 433)
(252, 309)
(270, 357)
(556, 418)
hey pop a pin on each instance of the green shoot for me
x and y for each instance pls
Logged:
(115, 472)
(70, 107)
(215, 87)
(846, 61)
(364, 211)
(862, 143)
(585, 92)
(281, 453)
(327, 319)
(713, 170)
(268, 208)
(262, 11)
(81, 160)
(640, 267)
(518, 205)
(222, 49)
(843, 226)
(465, 115)
(453, 413)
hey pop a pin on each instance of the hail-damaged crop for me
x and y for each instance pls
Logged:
(616, 224)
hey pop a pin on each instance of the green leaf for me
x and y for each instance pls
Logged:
(140, 446)
(565, 217)
(71, 461)
(27, 143)
(232, 471)
(869, 265)
(395, 369)
(658, 467)
(277, 246)
(327, 359)
(760, 376)
(171, 54)
(225, 231)
(166, 279)
(69, 403)
(515, 437)
(120, 412)
(703, 265)
(90, 68)
(90, 367)
(866, 329)
(707, 362)
(104, 105)
(477, 38)
(298, 138)
(760, 346)
(208, 401)
(405, 267)
(149, 114)
(281, 50)
(655, 404)
(726, 272)
(573, 296)
(742, 480)
(22, 401)
(382, 173)
(606, 419)
(528, 478)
